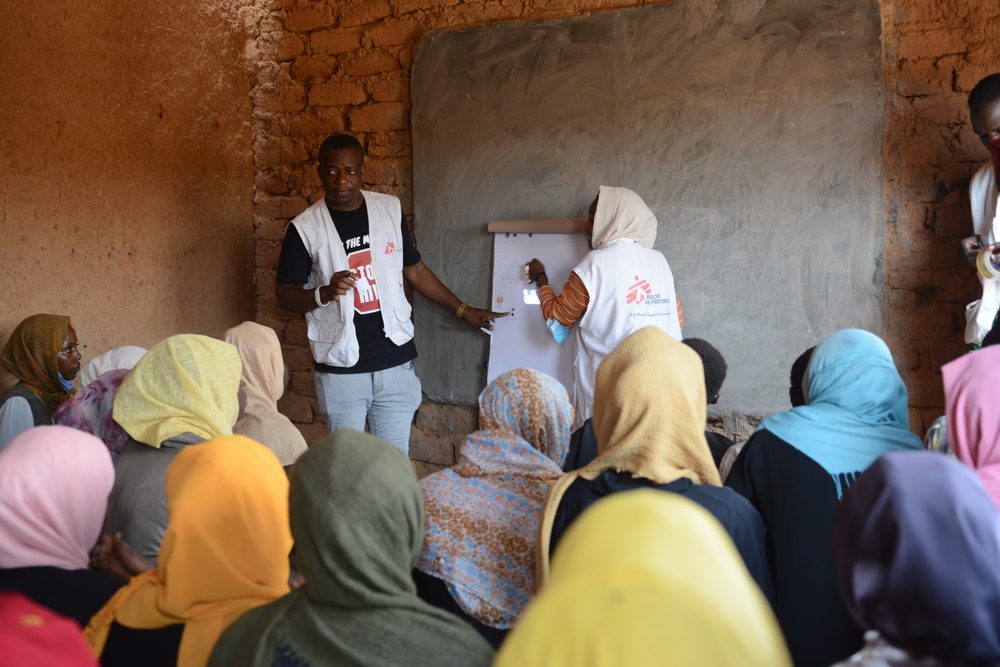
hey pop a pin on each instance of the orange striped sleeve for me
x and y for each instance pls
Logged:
(680, 310)
(566, 308)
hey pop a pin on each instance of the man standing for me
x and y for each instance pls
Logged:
(984, 111)
(342, 263)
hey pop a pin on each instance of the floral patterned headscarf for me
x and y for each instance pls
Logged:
(483, 513)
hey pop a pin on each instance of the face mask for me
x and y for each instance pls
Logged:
(994, 147)
(66, 384)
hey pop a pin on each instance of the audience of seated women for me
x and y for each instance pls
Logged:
(42, 355)
(796, 468)
(225, 552)
(478, 559)
(652, 558)
(54, 486)
(917, 544)
(358, 521)
(182, 392)
(646, 579)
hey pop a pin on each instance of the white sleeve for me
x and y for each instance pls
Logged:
(15, 418)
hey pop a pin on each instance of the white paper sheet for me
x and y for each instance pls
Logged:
(522, 340)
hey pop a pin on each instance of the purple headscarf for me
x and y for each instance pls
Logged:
(917, 546)
(90, 411)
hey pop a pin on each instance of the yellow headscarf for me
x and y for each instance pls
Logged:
(649, 420)
(32, 356)
(225, 550)
(184, 384)
(647, 578)
(649, 412)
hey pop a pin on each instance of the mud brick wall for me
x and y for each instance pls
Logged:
(344, 66)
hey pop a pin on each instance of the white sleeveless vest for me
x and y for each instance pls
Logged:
(331, 328)
(630, 287)
(980, 314)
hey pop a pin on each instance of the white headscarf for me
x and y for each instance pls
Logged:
(621, 214)
(117, 358)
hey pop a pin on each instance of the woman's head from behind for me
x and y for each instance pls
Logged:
(184, 384)
(54, 486)
(532, 406)
(647, 578)
(917, 543)
(971, 391)
(358, 520)
(650, 410)
(853, 369)
(227, 501)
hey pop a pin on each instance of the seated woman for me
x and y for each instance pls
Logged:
(795, 469)
(796, 397)
(917, 545)
(116, 359)
(89, 410)
(482, 514)
(646, 579)
(649, 417)
(358, 523)
(41, 354)
(262, 384)
(225, 552)
(183, 391)
(971, 394)
(54, 485)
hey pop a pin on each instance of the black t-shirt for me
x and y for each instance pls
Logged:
(376, 351)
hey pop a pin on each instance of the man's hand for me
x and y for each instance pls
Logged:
(341, 283)
(481, 318)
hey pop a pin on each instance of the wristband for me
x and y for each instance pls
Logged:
(319, 299)
(461, 310)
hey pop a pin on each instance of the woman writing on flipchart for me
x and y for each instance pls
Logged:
(621, 286)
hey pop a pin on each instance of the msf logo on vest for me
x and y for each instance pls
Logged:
(638, 292)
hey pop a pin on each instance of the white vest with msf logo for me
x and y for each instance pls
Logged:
(630, 287)
(331, 332)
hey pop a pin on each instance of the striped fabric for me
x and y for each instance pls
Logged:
(568, 308)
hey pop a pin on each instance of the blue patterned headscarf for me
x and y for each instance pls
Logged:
(856, 407)
(482, 514)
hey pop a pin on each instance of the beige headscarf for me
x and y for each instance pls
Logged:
(621, 214)
(263, 384)
(649, 420)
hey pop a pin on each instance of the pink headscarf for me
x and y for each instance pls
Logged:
(971, 389)
(54, 486)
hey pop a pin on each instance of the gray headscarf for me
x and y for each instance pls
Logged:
(358, 523)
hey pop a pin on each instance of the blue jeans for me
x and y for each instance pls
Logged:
(385, 399)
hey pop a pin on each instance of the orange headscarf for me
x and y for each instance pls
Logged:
(225, 550)
(32, 356)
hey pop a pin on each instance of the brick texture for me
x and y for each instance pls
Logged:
(345, 65)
